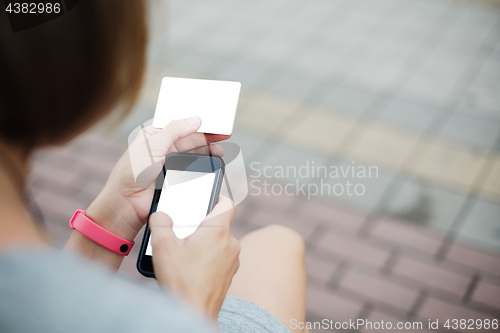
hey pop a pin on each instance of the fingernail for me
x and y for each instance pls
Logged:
(194, 121)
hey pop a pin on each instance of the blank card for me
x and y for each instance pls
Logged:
(213, 101)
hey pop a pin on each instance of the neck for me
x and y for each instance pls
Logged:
(17, 228)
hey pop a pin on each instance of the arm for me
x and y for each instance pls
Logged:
(105, 211)
(123, 205)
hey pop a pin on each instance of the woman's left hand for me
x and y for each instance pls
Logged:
(123, 205)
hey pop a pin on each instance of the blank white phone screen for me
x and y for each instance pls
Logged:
(185, 197)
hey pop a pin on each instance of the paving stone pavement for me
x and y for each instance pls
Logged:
(409, 87)
(358, 265)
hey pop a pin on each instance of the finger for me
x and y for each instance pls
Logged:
(162, 235)
(164, 139)
(199, 150)
(191, 141)
(150, 130)
(223, 213)
(215, 149)
(209, 137)
(197, 140)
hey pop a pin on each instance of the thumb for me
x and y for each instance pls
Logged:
(164, 139)
(162, 235)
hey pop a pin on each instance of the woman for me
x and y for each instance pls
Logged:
(56, 80)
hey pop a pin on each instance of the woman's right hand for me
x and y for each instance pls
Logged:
(199, 268)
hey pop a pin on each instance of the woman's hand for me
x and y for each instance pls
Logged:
(123, 205)
(199, 268)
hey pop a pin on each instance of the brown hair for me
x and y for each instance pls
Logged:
(59, 78)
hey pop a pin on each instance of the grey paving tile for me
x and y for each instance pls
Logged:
(478, 112)
(248, 142)
(399, 11)
(270, 49)
(342, 188)
(388, 53)
(443, 68)
(429, 89)
(476, 22)
(495, 55)
(371, 42)
(458, 46)
(489, 76)
(205, 16)
(374, 77)
(228, 41)
(347, 99)
(246, 72)
(293, 85)
(377, 7)
(471, 131)
(269, 7)
(169, 54)
(424, 204)
(291, 33)
(358, 25)
(439, 6)
(242, 26)
(322, 91)
(482, 97)
(194, 63)
(470, 35)
(482, 226)
(455, 52)
(225, 42)
(287, 164)
(491, 68)
(317, 64)
(410, 32)
(342, 69)
(193, 38)
(420, 53)
(429, 11)
(336, 45)
(409, 114)
(316, 11)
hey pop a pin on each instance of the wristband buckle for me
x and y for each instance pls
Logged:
(99, 235)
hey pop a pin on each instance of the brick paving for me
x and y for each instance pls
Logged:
(389, 271)
(409, 86)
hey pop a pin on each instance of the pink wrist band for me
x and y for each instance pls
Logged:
(98, 234)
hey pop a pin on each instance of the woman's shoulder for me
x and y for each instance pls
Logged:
(52, 291)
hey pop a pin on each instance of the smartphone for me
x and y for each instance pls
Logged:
(187, 190)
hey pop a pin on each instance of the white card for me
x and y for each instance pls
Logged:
(213, 101)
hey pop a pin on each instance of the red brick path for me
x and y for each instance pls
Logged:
(358, 267)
